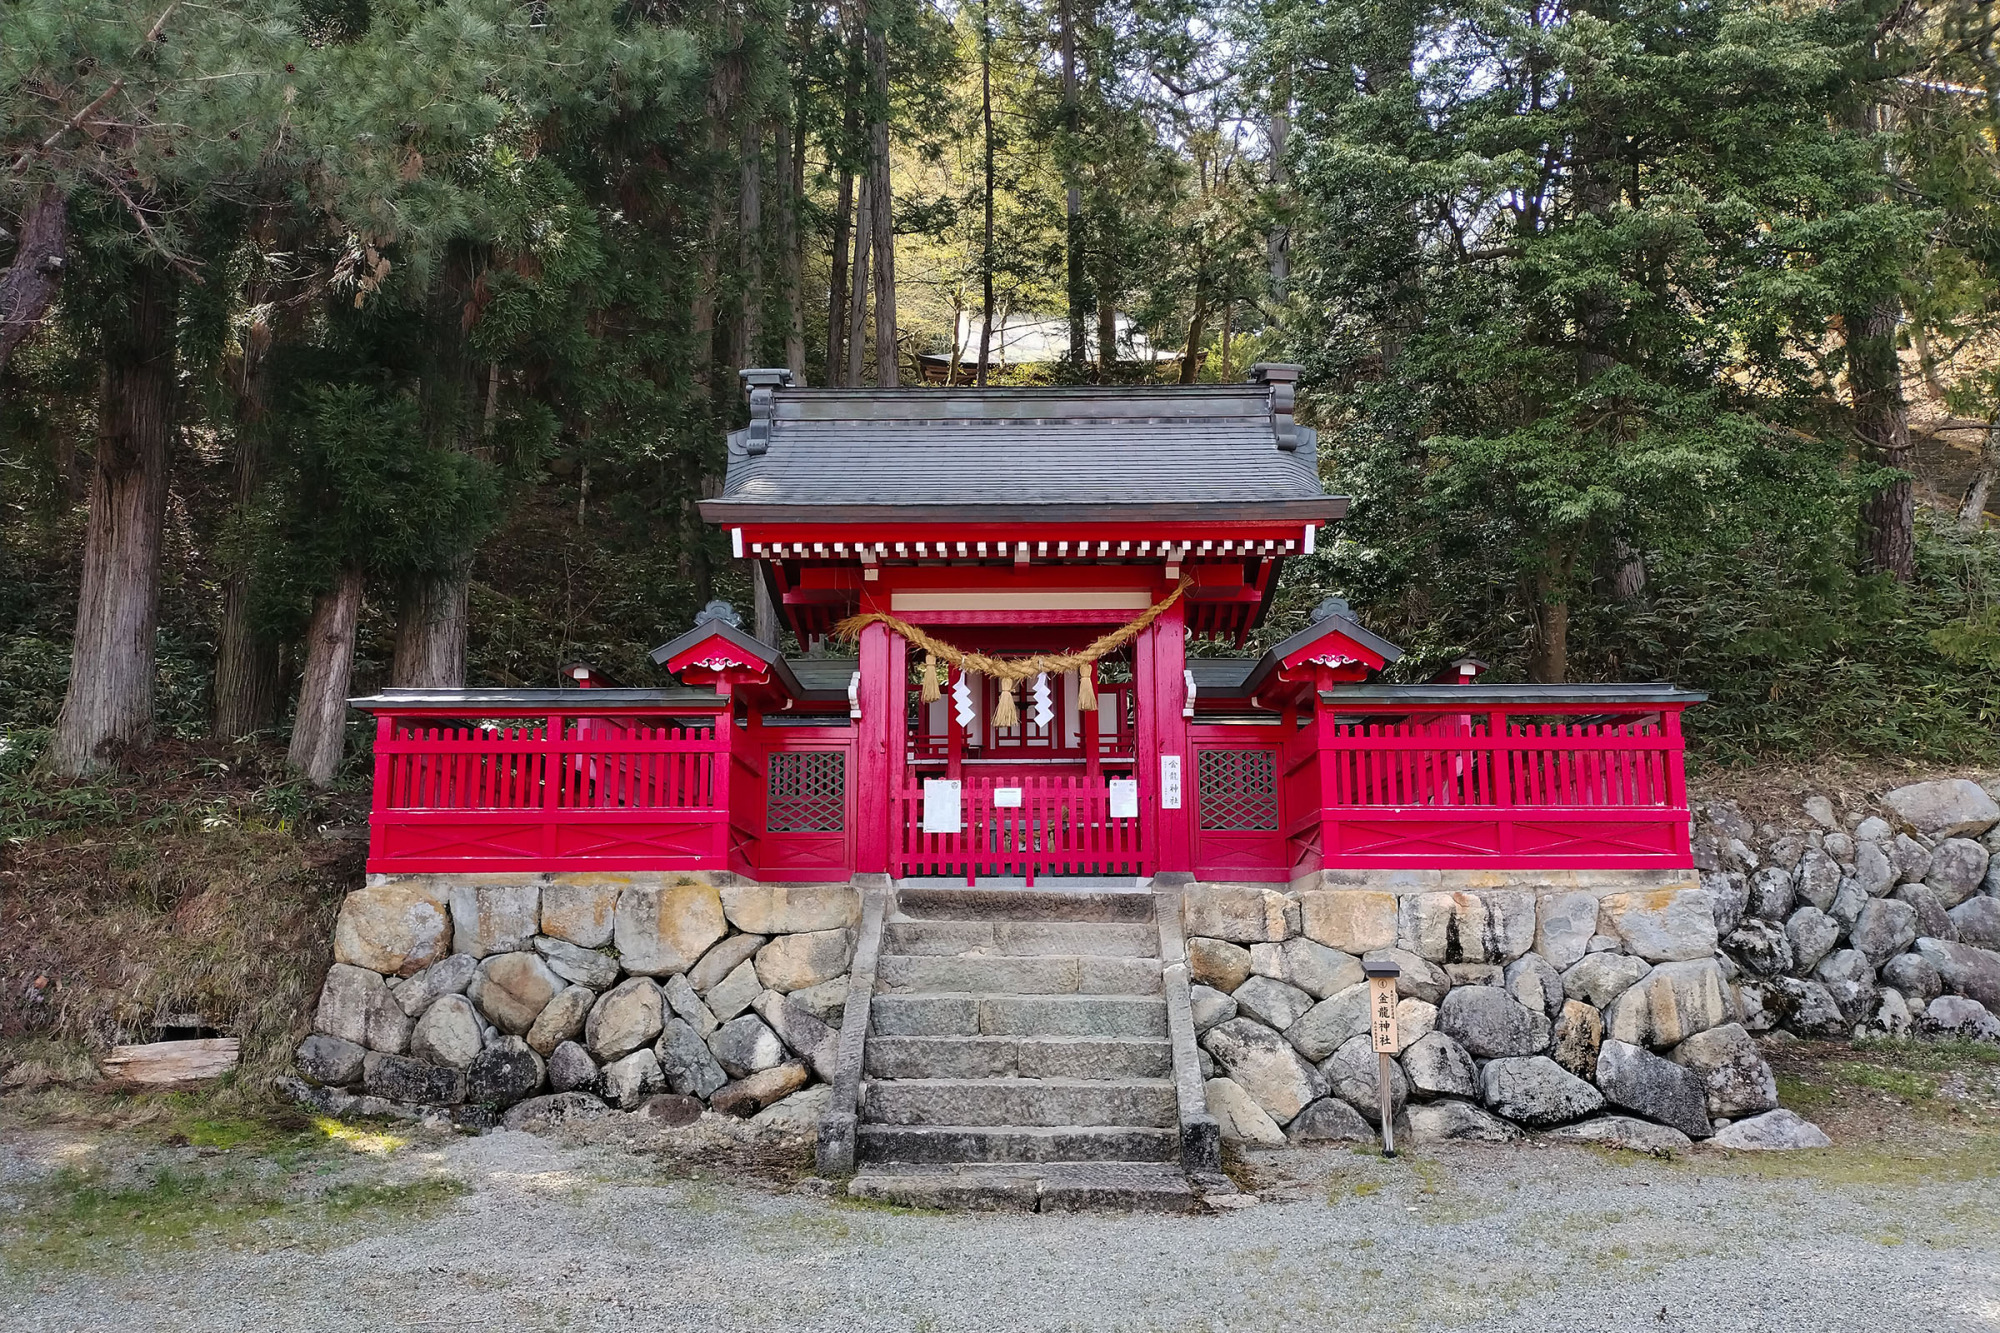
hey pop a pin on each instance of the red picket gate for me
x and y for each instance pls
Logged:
(1063, 826)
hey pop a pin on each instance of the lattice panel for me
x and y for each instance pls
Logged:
(807, 793)
(1239, 790)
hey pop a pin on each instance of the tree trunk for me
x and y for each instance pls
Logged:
(1107, 334)
(1278, 242)
(1926, 362)
(1076, 285)
(887, 357)
(1972, 510)
(745, 348)
(792, 188)
(110, 697)
(986, 235)
(764, 613)
(246, 658)
(319, 729)
(836, 298)
(1548, 656)
(431, 614)
(857, 304)
(1628, 581)
(30, 282)
(1197, 330)
(1881, 421)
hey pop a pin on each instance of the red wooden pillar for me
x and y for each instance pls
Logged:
(880, 744)
(1160, 669)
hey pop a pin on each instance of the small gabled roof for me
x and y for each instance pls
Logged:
(1225, 451)
(816, 686)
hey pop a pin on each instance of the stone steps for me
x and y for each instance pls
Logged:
(941, 1144)
(1145, 1103)
(1134, 1186)
(1097, 939)
(1008, 974)
(1019, 1057)
(1033, 905)
(981, 1015)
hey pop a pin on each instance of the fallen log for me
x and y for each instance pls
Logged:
(167, 1063)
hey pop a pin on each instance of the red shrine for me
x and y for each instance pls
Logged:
(940, 526)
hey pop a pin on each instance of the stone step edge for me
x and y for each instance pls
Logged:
(1067, 996)
(1015, 1081)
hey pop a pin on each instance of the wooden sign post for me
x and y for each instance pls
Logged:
(1382, 1026)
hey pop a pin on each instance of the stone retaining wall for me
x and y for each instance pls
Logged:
(472, 994)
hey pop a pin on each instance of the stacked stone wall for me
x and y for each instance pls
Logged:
(468, 995)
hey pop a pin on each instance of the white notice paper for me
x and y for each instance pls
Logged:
(1170, 782)
(1006, 798)
(1124, 798)
(941, 807)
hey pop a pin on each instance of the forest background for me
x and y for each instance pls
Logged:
(345, 344)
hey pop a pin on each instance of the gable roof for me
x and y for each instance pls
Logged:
(1158, 452)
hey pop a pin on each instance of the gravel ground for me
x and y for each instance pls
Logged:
(569, 1235)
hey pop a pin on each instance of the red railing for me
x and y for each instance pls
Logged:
(1062, 826)
(1437, 787)
(568, 790)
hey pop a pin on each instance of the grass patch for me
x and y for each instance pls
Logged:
(408, 1200)
(1904, 1083)
(77, 1216)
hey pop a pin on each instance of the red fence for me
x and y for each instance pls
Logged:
(1063, 826)
(1439, 788)
(571, 790)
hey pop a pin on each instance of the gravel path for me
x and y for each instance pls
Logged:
(568, 1236)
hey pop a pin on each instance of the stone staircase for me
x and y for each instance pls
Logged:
(1018, 1054)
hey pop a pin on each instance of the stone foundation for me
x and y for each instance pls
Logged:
(465, 995)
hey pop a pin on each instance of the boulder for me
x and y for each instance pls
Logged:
(1272, 1003)
(1564, 923)
(1976, 921)
(761, 1088)
(1805, 1007)
(624, 1018)
(745, 1046)
(1240, 913)
(1886, 928)
(727, 955)
(1728, 899)
(1847, 904)
(791, 909)
(1437, 1066)
(1735, 1078)
(1950, 808)
(1840, 846)
(1415, 1020)
(1777, 1130)
(1353, 921)
(494, 918)
(1451, 1121)
(686, 1062)
(582, 912)
(576, 964)
(1239, 1117)
(1326, 1027)
(1669, 1004)
(1329, 1120)
(1418, 978)
(329, 1061)
(1958, 867)
(447, 976)
(1634, 1079)
(1874, 829)
(1873, 872)
(1771, 894)
(1266, 1066)
(396, 928)
(1817, 878)
(512, 989)
(794, 962)
(505, 1072)
(661, 928)
(1850, 980)
(1911, 858)
(571, 1068)
(1353, 1074)
(1576, 1037)
(813, 1041)
(1210, 1007)
(1490, 1023)
(827, 1001)
(735, 992)
(1488, 927)
(1663, 925)
(627, 1081)
(1622, 1131)
(1813, 934)
(448, 1033)
(1729, 820)
(1602, 977)
(1965, 969)
(1820, 811)
(1914, 976)
(402, 1079)
(1764, 947)
(800, 1113)
(558, 1108)
(1218, 963)
(1932, 918)
(1316, 969)
(1891, 1015)
(1475, 974)
(1534, 982)
(1535, 1090)
(563, 1019)
(347, 998)
(1956, 1016)
(680, 998)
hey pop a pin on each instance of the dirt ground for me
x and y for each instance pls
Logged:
(165, 1213)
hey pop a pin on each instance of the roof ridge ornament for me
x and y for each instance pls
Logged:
(762, 384)
(1281, 376)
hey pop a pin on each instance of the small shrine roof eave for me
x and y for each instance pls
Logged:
(780, 667)
(740, 511)
(1244, 678)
